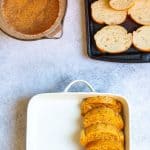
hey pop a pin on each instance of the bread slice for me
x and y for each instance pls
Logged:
(141, 38)
(103, 115)
(140, 12)
(104, 101)
(121, 4)
(113, 39)
(102, 13)
(101, 132)
(105, 145)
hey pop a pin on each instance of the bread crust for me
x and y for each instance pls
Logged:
(126, 8)
(103, 20)
(101, 132)
(99, 101)
(104, 51)
(126, 47)
(103, 115)
(136, 21)
(141, 49)
(107, 145)
(138, 12)
(134, 42)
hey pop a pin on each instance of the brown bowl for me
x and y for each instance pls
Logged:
(54, 31)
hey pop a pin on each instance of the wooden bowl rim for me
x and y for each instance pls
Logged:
(8, 29)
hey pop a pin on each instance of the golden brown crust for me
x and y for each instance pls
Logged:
(105, 145)
(94, 102)
(101, 132)
(103, 115)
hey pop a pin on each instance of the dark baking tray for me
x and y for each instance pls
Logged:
(130, 56)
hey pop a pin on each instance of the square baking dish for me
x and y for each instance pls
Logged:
(53, 120)
(130, 56)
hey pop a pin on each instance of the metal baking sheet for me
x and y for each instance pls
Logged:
(130, 56)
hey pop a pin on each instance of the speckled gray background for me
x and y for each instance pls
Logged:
(29, 68)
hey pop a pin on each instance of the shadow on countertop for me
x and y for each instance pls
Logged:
(83, 28)
(19, 140)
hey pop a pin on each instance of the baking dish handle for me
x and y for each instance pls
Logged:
(79, 81)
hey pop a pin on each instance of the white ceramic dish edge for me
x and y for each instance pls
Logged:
(81, 95)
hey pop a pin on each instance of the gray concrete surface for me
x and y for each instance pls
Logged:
(30, 68)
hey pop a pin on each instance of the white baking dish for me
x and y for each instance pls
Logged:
(53, 120)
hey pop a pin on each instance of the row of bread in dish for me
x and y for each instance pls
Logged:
(103, 124)
(115, 39)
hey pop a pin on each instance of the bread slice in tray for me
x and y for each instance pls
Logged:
(141, 38)
(113, 39)
(121, 4)
(100, 101)
(101, 132)
(105, 145)
(102, 13)
(103, 115)
(140, 12)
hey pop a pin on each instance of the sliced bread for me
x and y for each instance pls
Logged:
(113, 39)
(101, 132)
(141, 38)
(103, 115)
(140, 12)
(105, 101)
(105, 145)
(102, 13)
(121, 4)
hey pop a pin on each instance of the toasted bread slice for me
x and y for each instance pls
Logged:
(121, 4)
(102, 13)
(141, 38)
(105, 145)
(113, 39)
(105, 101)
(101, 132)
(103, 115)
(140, 12)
